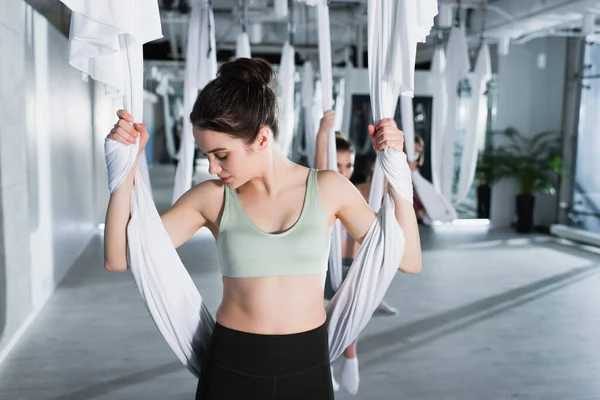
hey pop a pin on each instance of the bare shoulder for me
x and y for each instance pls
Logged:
(206, 198)
(336, 191)
(332, 181)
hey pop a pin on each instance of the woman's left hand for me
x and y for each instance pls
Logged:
(386, 135)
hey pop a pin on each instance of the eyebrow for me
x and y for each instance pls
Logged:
(215, 150)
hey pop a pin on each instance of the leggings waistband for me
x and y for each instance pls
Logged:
(268, 355)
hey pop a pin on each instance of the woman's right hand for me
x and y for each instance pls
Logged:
(127, 132)
(327, 122)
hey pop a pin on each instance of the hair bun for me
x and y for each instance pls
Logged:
(248, 70)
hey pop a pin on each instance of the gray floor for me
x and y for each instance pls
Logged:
(492, 316)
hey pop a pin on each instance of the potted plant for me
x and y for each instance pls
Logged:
(486, 175)
(534, 164)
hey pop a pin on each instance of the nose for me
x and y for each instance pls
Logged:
(214, 168)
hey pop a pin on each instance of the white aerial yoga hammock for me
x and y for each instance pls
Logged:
(439, 117)
(457, 68)
(286, 79)
(164, 90)
(242, 46)
(395, 27)
(105, 42)
(200, 68)
(340, 100)
(178, 309)
(476, 123)
(436, 206)
(310, 133)
(326, 72)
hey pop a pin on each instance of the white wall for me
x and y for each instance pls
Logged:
(531, 100)
(53, 186)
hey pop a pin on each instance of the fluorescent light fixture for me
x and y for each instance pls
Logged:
(462, 225)
(471, 222)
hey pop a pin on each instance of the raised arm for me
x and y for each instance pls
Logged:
(387, 135)
(321, 150)
(181, 221)
(118, 212)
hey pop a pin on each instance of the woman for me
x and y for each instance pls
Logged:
(271, 220)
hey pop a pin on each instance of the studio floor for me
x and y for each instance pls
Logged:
(492, 316)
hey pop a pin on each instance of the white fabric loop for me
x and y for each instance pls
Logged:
(287, 82)
(476, 125)
(200, 68)
(177, 307)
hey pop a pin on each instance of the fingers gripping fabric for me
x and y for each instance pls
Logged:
(166, 287)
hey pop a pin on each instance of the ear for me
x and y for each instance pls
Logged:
(263, 138)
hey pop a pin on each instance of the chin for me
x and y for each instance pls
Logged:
(234, 183)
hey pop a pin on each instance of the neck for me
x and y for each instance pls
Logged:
(272, 176)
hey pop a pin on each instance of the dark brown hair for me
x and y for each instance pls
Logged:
(240, 101)
(342, 144)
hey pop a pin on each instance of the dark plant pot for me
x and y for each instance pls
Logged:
(484, 197)
(525, 205)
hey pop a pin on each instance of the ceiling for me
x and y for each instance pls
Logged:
(519, 20)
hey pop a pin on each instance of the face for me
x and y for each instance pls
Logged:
(345, 163)
(232, 159)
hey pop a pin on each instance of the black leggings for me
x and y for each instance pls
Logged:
(243, 365)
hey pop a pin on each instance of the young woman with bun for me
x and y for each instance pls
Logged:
(271, 220)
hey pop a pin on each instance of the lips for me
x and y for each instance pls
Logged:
(225, 179)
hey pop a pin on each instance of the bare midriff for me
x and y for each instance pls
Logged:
(277, 305)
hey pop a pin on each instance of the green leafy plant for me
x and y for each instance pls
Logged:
(533, 162)
(487, 172)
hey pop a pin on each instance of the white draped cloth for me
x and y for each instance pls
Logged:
(310, 133)
(164, 90)
(476, 123)
(287, 83)
(457, 68)
(440, 115)
(105, 42)
(242, 46)
(437, 207)
(317, 106)
(395, 27)
(326, 72)
(412, 22)
(340, 100)
(200, 68)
